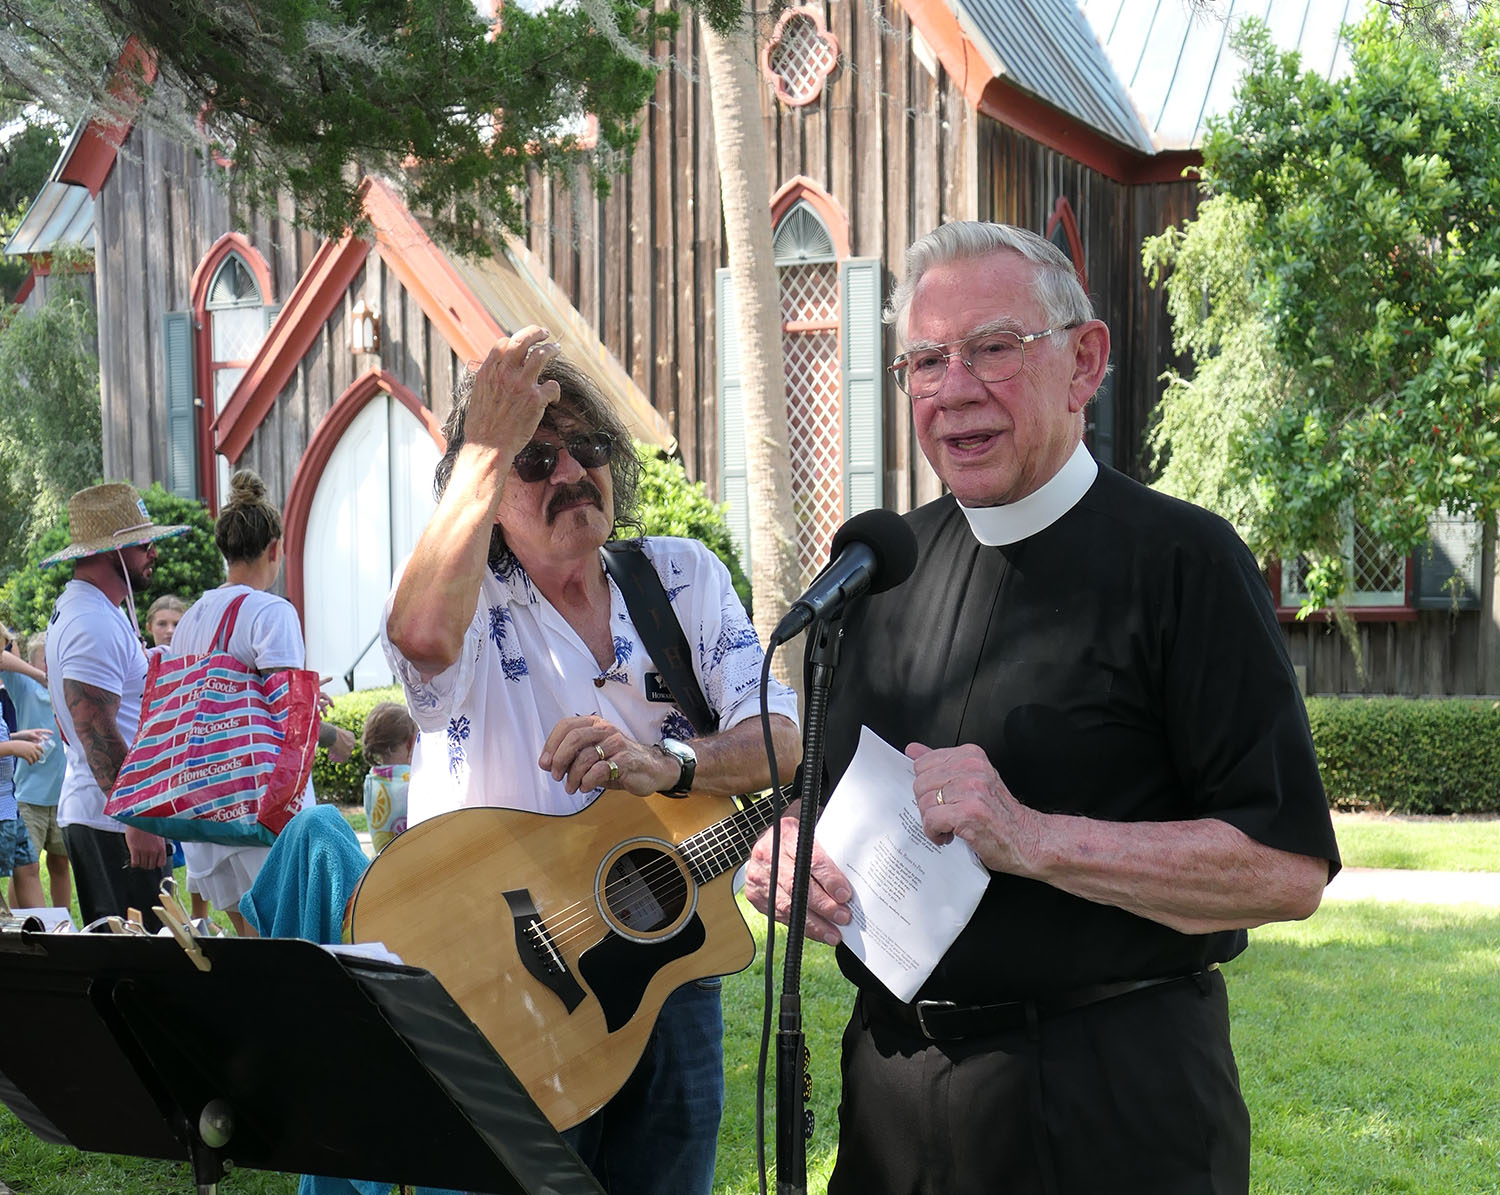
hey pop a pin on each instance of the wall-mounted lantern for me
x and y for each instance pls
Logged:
(364, 329)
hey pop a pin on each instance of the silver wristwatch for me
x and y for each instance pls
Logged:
(687, 762)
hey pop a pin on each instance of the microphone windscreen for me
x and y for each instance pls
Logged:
(888, 537)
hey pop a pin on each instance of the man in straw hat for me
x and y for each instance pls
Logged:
(96, 674)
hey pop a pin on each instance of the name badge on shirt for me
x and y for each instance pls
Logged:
(656, 688)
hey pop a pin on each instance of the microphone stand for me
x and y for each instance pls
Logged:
(793, 1083)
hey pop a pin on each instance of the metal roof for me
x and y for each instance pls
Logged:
(1145, 73)
(1175, 59)
(1047, 48)
(61, 214)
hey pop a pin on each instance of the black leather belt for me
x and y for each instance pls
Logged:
(943, 1020)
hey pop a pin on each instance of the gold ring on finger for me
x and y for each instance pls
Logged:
(599, 749)
(614, 771)
(939, 796)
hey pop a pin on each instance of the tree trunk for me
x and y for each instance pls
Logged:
(741, 151)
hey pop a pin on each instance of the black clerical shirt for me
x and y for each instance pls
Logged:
(1124, 663)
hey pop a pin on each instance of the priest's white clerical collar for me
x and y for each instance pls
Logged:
(996, 525)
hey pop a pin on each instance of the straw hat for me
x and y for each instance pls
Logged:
(105, 517)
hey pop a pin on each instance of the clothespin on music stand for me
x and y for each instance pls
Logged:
(179, 924)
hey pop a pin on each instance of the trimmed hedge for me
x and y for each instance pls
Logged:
(344, 783)
(1408, 755)
(1398, 754)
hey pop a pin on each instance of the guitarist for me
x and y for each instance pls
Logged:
(532, 688)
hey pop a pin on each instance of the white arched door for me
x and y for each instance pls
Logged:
(372, 502)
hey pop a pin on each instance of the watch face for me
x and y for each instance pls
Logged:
(679, 751)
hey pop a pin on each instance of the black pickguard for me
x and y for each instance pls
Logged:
(618, 970)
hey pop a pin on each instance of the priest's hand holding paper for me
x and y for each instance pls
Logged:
(960, 795)
(828, 892)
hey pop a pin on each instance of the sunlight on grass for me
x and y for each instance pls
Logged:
(1444, 844)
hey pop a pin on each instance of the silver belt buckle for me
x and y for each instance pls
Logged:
(922, 1006)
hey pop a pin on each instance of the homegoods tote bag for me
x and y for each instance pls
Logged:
(222, 753)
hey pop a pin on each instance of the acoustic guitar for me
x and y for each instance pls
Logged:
(561, 936)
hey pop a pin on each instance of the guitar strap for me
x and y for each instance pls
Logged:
(656, 623)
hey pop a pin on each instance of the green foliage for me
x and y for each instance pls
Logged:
(25, 162)
(670, 504)
(49, 410)
(1355, 241)
(344, 783)
(308, 96)
(186, 564)
(1408, 756)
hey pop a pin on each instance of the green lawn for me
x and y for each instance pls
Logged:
(1436, 844)
(1365, 1035)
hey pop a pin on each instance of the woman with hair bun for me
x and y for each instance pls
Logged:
(267, 637)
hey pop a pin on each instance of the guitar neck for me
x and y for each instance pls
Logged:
(725, 845)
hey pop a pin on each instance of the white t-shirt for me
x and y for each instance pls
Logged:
(523, 668)
(91, 640)
(267, 636)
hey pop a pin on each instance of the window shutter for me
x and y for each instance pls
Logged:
(1454, 547)
(271, 313)
(864, 384)
(182, 422)
(733, 474)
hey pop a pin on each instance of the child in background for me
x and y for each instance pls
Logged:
(18, 859)
(38, 785)
(162, 618)
(390, 737)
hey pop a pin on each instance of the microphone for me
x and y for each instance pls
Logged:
(870, 553)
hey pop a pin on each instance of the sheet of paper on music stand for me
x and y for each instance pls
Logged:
(54, 920)
(911, 896)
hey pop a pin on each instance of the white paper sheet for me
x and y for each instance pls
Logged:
(911, 896)
(54, 920)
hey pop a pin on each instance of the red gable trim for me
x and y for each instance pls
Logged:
(297, 326)
(24, 291)
(424, 270)
(417, 263)
(1001, 100)
(320, 451)
(93, 156)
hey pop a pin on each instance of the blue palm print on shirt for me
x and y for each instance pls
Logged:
(624, 649)
(458, 756)
(512, 664)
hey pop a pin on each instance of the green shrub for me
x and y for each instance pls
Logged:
(344, 783)
(1407, 755)
(186, 564)
(670, 504)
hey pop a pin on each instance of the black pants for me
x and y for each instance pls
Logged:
(107, 884)
(1138, 1094)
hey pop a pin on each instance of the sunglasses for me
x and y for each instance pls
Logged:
(536, 461)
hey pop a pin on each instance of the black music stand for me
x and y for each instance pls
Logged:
(280, 1056)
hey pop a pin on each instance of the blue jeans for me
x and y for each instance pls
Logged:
(660, 1133)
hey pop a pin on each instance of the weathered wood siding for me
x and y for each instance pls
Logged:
(1021, 182)
(885, 139)
(159, 213)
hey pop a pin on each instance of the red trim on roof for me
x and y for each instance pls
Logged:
(1001, 100)
(93, 156)
(24, 290)
(416, 261)
(424, 270)
(298, 325)
(320, 450)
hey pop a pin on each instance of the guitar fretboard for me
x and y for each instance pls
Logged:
(725, 845)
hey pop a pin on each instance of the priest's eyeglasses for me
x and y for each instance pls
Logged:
(990, 356)
(537, 461)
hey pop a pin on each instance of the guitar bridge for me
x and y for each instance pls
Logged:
(539, 953)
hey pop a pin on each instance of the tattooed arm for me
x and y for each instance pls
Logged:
(93, 712)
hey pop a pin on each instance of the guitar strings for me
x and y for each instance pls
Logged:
(579, 919)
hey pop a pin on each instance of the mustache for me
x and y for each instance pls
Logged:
(567, 495)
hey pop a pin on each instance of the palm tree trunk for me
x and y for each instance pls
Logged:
(741, 150)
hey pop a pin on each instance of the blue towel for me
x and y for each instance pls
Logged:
(303, 887)
(308, 877)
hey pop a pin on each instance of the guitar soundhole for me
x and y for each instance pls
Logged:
(645, 893)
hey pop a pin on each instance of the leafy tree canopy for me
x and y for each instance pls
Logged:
(49, 410)
(1341, 297)
(306, 96)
